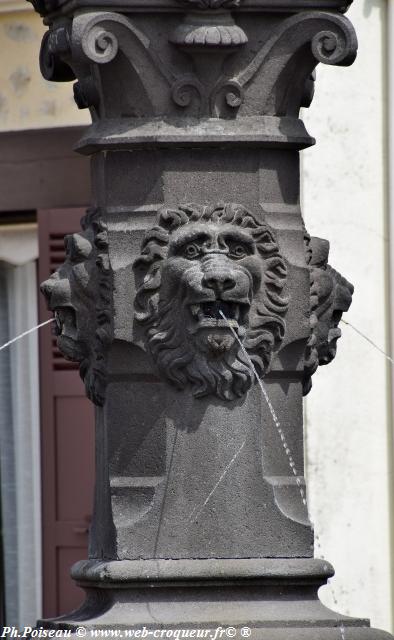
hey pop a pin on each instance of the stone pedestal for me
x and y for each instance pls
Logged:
(193, 271)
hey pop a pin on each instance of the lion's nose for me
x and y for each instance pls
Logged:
(57, 291)
(219, 282)
(47, 286)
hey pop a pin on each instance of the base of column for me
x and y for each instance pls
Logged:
(275, 598)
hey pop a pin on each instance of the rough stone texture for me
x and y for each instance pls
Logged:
(200, 512)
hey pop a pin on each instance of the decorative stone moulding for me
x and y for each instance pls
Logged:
(45, 7)
(211, 4)
(192, 275)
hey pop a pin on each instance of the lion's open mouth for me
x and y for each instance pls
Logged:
(65, 329)
(209, 314)
(65, 321)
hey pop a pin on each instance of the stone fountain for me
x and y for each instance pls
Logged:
(192, 274)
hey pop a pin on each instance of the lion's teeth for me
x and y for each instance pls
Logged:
(195, 308)
(227, 322)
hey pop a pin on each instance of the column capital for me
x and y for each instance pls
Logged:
(193, 64)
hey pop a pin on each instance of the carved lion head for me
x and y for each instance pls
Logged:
(198, 263)
(330, 296)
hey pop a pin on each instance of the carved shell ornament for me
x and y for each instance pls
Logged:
(200, 262)
(216, 30)
(221, 32)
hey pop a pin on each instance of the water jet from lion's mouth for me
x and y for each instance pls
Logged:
(209, 315)
(215, 308)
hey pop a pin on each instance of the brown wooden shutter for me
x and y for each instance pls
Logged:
(67, 438)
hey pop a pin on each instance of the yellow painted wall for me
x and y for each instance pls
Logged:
(27, 101)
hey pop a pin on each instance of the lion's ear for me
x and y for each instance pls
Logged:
(147, 297)
(151, 254)
(154, 248)
(265, 242)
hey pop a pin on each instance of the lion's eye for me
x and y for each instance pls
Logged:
(238, 251)
(191, 251)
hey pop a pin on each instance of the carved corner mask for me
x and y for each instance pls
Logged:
(330, 296)
(200, 262)
(197, 263)
(78, 293)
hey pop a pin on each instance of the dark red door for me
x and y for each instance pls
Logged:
(67, 438)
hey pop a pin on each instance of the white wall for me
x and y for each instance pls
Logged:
(349, 447)
(27, 101)
(20, 443)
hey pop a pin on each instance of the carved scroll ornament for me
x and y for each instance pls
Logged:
(260, 84)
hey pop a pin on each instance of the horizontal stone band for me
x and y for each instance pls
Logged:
(257, 131)
(292, 570)
(173, 5)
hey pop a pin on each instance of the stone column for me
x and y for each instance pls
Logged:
(193, 271)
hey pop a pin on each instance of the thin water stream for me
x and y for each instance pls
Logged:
(275, 419)
(25, 333)
(371, 342)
